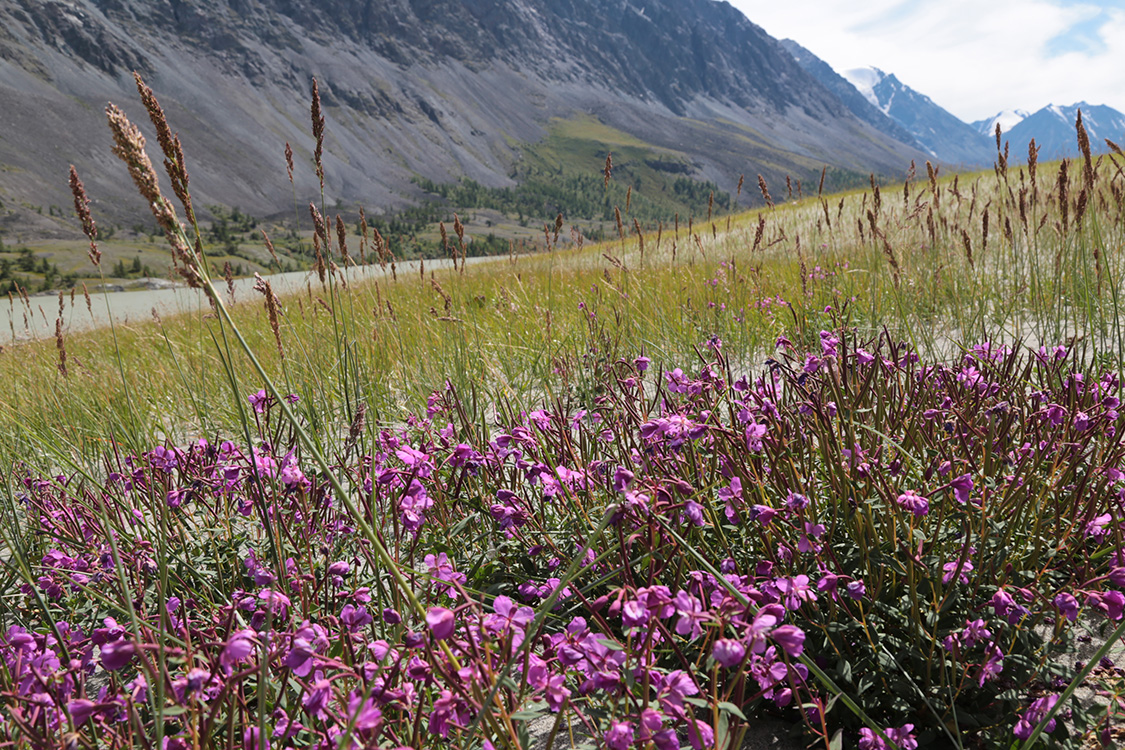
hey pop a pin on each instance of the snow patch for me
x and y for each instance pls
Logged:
(865, 80)
(1007, 119)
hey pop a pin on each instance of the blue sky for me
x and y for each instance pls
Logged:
(973, 57)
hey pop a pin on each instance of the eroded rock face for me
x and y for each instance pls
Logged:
(436, 88)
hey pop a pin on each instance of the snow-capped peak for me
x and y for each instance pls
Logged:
(865, 80)
(1007, 119)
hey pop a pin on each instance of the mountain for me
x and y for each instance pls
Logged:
(857, 103)
(1007, 119)
(1054, 131)
(434, 89)
(941, 134)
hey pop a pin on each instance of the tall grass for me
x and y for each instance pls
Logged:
(387, 419)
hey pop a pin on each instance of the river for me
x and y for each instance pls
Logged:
(19, 323)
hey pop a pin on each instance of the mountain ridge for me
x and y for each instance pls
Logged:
(435, 89)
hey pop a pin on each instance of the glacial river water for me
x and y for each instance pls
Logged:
(20, 323)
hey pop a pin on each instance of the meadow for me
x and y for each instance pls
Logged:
(852, 460)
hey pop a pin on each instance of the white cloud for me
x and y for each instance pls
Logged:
(973, 58)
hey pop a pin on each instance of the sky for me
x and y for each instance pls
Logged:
(972, 57)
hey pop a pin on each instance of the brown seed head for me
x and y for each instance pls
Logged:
(61, 346)
(289, 161)
(129, 146)
(318, 132)
(1084, 147)
(765, 191)
(82, 208)
(342, 238)
(269, 248)
(608, 168)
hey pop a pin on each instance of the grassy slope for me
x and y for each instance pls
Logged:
(540, 326)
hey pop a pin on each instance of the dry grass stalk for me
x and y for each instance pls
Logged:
(968, 243)
(984, 230)
(1084, 147)
(788, 188)
(711, 203)
(289, 161)
(129, 146)
(355, 429)
(318, 264)
(318, 133)
(765, 191)
(228, 274)
(1063, 188)
(741, 179)
(60, 344)
(272, 309)
(173, 150)
(820, 187)
(364, 238)
(628, 198)
(758, 233)
(342, 238)
(640, 237)
(320, 229)
(891, 259)
(1080, 205)
(446, 299)
(1032, 161)
(82, 208)
(608, 168)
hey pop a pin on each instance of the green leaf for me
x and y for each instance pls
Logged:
(611, 645)
(732, 709)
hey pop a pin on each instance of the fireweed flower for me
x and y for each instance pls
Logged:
(259, 401)
(856, 589)
(355, 618)
(1067, 606)
(81, 709)
(915, 503)
(692, 615)
(441, 622)
(962, 486)
(993, 664)
(728, 652)
(238, 648)
(951, 569)
(619, 736)
(1034, 714)
(508, 615)
(117, 655)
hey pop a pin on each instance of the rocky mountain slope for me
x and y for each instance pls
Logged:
(846, 92)
(884, 102)
(1053, 130)
(941, 134)
(439, 89)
